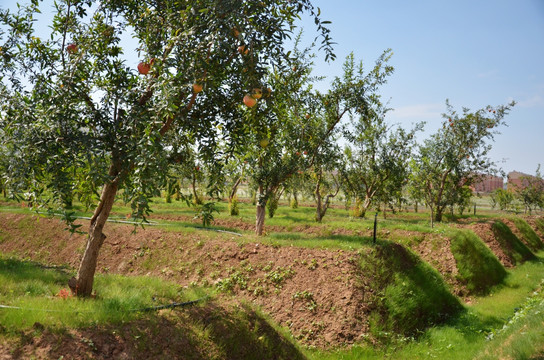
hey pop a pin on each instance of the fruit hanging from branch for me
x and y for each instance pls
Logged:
(197, 88)
(250, 101)
(243, 50)
(143, 68)
(257, 93)
(71, 48)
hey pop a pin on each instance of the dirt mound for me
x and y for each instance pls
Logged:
(485, 232)
(437, 252)
(313, 292)
(537, 227)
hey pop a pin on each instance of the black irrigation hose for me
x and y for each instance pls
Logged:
(146, 309)
(172, 305)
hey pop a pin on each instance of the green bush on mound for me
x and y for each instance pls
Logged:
(540, 224)
(529, 236)
(510, 243)
(408, 295)
(479, 269)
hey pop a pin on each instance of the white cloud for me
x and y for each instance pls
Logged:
(418, 111)
(487, 74)
(534, 101)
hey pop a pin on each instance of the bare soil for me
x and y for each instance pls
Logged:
(329, 309)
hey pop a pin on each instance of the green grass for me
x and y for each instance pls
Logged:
(35, 290)
(540, 224)
(205, 331)
(529, 236)
(408, 294)
(479, 269)
(510, 243)
(476, 332)
(522, 337)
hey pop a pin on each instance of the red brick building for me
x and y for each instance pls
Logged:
(488, 183)
(518, 180)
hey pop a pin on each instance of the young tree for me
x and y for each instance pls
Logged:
(531, 192)
(503, 198)
(376, 160)
(455, 155)
(71, 103)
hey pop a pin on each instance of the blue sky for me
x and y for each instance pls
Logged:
(474, 53)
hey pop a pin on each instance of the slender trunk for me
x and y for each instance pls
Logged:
(365, 206)
(169, 188)
(319, 202)
(294, 201)
(234, 189)
(197, 200)
(87, 267)
(259, 225)
(415, 207)
(432, 217)
(261, 212)
(178, 190)
(438, 214)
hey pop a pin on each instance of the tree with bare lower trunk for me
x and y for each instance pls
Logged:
(456, 155)
(76, 114)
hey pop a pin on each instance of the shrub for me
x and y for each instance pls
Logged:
(479, 269)
(233, 206)
(294, 203)
(272, 206)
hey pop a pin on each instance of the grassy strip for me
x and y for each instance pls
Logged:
(522, 337)
(42, 295)
(54, 324)
(408, 294)
(478, 267)
(529, 236)
(466, 335)
(510, 243)
(540, 224)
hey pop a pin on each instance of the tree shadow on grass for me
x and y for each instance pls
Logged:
(19, 270)
(210, 331)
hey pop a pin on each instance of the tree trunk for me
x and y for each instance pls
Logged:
(234, 189)
(294, 202)
(415, 207)
(259, 225)
(87, 267)
(197, 200)
(364, 206)
(261, 211)
(169, 188)
(319, 202)
(438, 214)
